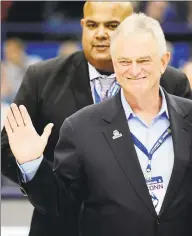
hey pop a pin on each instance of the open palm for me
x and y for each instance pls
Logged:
(25, 143)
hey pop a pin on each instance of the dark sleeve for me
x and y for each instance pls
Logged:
(27, 95)
(55, 192)
(175, 82)
(183, 87)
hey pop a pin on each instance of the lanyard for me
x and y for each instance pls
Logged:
(158, 143)
(113, 89)
(96, 95)
(111, 92)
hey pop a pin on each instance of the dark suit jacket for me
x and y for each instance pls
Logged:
(53, 90)
(104, 173)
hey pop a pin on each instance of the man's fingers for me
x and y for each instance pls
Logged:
(47, 132)
(11, 119)
(25, 115)
(8, 128)
(17, 115)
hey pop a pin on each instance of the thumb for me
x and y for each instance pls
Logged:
(47, 132)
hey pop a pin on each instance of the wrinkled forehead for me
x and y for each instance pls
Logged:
(104, 11)
(135, 45)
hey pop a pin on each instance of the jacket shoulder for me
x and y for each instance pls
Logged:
(183, 105)
(56, 63)
(175, 73)
(183, 102)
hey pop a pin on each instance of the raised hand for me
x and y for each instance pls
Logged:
(26, 144)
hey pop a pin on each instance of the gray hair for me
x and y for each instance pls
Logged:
(139, 22)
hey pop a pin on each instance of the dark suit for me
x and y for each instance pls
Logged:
(53, 90)
(104, 173)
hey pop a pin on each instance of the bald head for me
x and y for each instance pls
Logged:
(123, 8)
(99, 22)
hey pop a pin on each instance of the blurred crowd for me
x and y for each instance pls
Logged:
(166, 11)
(16, 60)
(176, 11)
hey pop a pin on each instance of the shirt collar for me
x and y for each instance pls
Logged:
(93, 73)
(128, 110)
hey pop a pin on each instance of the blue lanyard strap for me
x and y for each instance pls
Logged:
(113, 89)
(157, 144)
(96, 95)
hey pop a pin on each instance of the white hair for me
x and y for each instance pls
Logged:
(140, 23)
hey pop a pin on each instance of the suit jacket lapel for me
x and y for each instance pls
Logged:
(181, 142)
(80, 81)
(124, 151)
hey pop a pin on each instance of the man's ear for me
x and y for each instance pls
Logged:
(165, 61)
(82, 22)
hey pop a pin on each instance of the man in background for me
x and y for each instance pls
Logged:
(15, 64)
(128, 159)
(54, 89)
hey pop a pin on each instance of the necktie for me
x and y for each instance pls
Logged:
(103, 84)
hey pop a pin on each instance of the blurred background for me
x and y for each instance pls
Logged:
(33, 31)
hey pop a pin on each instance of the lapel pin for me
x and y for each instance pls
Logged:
(116, 134)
